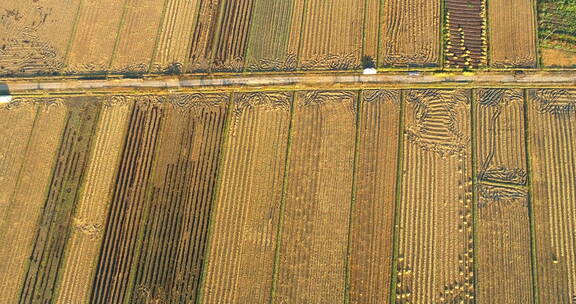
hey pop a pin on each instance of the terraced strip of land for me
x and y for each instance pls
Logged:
(326, 196)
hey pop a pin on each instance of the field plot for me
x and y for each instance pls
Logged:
(96, 32)
(137, 36)
(331, 35)
(373, 213)
(22, 211)
(465, 26)
(435, 249)
(512, 33)
(314, 234)
(173, 238)
(557, 58)
(94, 199)
(34, 35)
(174, 41)
(203, 35)
(15, 129)
(503, 225)
(552, 143)
(234, 27)
(410, 33)
(270, 34)
(56, 219)
(557, 32)
(119, 245)
(247, 209)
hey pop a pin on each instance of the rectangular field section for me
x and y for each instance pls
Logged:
(96, 32)
(465, 44)
(410, 33)
(34, 35)
(502, 217)
(552, 144)
(247, 209)
(23, 210)
(137, 36)
(269, 36)
(435, 241)
(512, 33)
(331, 35)
(373, 210)
(314, 234)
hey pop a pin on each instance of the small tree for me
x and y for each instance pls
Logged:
(368, 62)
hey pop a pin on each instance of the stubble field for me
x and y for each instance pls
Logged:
(357, 196)
(140, 37)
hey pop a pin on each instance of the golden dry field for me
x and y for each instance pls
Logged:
(91, 38)
(288, 151)
(424, 195)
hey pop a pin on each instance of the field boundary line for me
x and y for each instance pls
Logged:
(213, 43)
(347, 284)
(536, 33)
(533, 252)
(157, 39)
(218, 180)
(443, 34)
(188, 59)
(300, 44)
(473, 146)
(379, 44)
(72, 37)
(363, 46)
(398, 194)
(248, 36)
(118, 32)
(282, 203)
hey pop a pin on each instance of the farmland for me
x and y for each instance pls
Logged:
(323, 196)
(142, 37)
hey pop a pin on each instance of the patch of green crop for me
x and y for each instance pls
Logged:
(557, 23)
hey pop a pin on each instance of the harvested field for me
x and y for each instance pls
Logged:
(248, 206)
(376, 195)
(174, 40)
(465, 26)
(172, 240)
(137, 36)
(313, 241)
(552, 146)
(557, 58)
(503, 244)
(331, 35)
(55, 223)
(23, 210)
(203, 36)
(34, 35)
(410, 33)
(267, 46)
(512, 33)
(83, 246)
(435, 250)
(230, 43)
(92, 45)
(123, 225)
(372, 226)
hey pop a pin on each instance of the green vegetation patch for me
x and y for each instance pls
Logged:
(557, 23)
